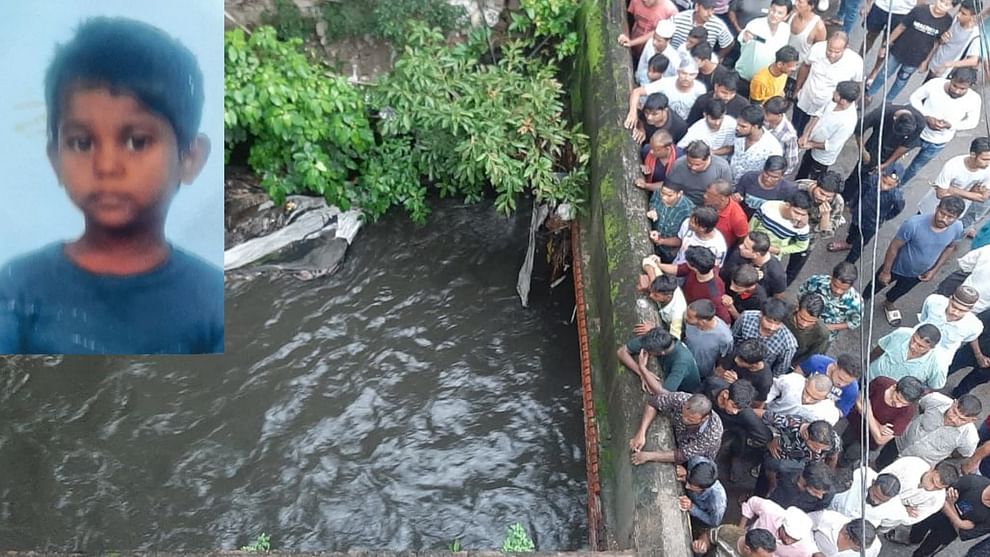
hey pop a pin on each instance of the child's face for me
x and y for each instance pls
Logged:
(118, 161)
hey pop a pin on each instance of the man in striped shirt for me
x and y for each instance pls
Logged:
(702, 15)
(786, 222)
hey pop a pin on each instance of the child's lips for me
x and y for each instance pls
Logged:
(109, 201)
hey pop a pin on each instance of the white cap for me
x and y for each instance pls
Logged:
(796, 523)
(666, 28)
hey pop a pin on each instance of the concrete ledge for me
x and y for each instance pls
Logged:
(639, 504)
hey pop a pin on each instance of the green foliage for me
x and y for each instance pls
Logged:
(455, 546)
(393, 18)
(517, 541)
(390, 19)
(349, 19)
(463, 125)
(549, 20)
(307, 128)
(288, 21)
(261, 544)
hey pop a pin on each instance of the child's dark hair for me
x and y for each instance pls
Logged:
(128, 57)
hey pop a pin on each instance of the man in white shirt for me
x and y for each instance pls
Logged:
(949, 105)
(659, 43)
(977, 264)
(838, 536)
(881, 496)
(829, 62)
(753, 145)
(716, 129)
(793, 394)
(922, 490)
(955, 321)
(966, 177)
(828, 131)
(681, 90)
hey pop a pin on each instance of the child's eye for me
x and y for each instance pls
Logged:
(137, 142)
(80, 144)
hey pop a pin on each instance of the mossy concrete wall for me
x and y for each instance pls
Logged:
(639, 503)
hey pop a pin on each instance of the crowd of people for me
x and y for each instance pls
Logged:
(742, 108)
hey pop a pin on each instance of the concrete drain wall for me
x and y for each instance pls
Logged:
(638, 505)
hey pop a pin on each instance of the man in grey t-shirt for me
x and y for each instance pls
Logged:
(706, 336)
(697, 169)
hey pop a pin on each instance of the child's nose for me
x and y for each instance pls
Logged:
(107, 160)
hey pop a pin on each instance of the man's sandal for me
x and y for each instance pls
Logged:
(893, 316)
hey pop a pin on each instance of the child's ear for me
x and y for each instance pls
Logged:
(52, 151)
(192, 161)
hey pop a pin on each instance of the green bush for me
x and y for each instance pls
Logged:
(549, 20)
(517, 541)
(390, 19)
(463, 125)
(288, 21)
(307, 129)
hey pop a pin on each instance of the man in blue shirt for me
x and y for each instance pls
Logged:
(923, 243)
(705, 499)
(844, 372)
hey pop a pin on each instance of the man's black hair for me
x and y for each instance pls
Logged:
(745, 276)
(698, 32)
(889, 485)
(775, 163)
(969, 405)
(702, 51)
(963, 75)
(786, 53)
(845, 272)
(979, 145)
(910, 388)
(785, 3)
(703, 308)
(703, 474)
(861, 533)
(970, 6)
(831, 181)
(742, 393)
(952, 205)
(820, 431)
(752, 351)
(128, 57)
(663, 284)
(700, 258)
(728, 79)
(775, 309)
(776, 105)
(705, 217)
(848, 90)
(659, 63)
(761, 241)
(905, 124)
(812, 303)
(817, 475)
(751, 114)
(930, 333)
(656, 341)
(948, 473)
(656, 101)
(800, 200)
(698, 149)
(759, 538)
(715, 108)
(850, 364)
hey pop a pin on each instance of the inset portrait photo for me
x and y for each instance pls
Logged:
(111, 126)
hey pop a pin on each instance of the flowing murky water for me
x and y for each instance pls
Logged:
(404, 402)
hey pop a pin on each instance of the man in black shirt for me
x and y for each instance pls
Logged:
(901, 129)
(724, 85)
(966, 514)
(656, 115)
(755, 250)
(747, 362)
(810, 490)
(743, 431)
